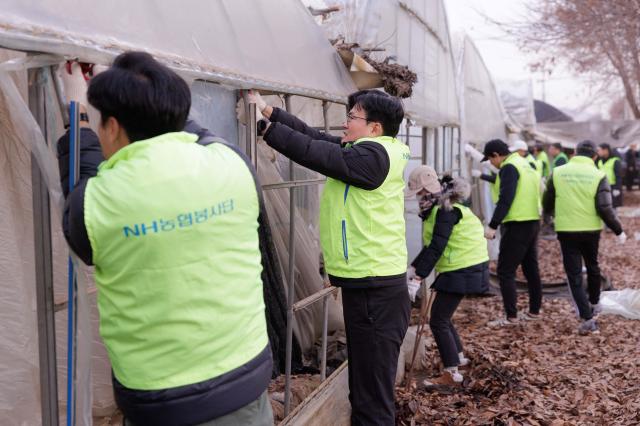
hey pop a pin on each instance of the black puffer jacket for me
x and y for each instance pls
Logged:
(470, 280)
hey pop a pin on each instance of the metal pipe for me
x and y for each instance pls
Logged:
(74, 172)
(325, 117)
(43, 266)
(62, 100)
(252, 132)
(297, 183)
(451, 151)
(310, 300)
(436, 150)
(246, 145)
(325, 302)
(325, 326)
(424, 145)
(458, 157)
(290, 278)
(407, 130)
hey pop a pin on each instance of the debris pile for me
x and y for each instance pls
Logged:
(301, 386)
(398, 80)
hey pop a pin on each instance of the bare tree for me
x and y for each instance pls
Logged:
(601, 37)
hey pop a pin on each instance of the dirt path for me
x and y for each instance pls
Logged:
(544, 373)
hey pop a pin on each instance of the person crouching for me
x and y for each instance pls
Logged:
(455, 246)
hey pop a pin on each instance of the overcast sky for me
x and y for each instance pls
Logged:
(563, 88)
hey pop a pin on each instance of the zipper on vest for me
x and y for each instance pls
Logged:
(345, 243)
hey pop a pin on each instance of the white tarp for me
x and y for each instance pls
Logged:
(416, 33)
(625, 303)
(244, 44)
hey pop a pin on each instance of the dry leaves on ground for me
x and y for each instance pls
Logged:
(542, 372)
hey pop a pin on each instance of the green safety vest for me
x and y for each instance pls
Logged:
(608, 168)
(173, 226)
(544, 158)
(526, 204)
(362, 233)
(467, 245)
(576, 185)
(534, 164)
(559, 156)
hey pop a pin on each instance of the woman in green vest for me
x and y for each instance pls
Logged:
(455, 246)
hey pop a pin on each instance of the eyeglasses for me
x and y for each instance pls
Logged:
(350, 117)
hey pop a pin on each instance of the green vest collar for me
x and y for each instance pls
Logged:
(509, 158)
(581, 159)
(389, 139)
(134, 148)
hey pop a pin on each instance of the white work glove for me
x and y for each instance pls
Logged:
(75, 86)
(489, 233)
(622, 238)
(615, 192)
(255, 98)
(476, 173)
(413, 286)
(473, 153)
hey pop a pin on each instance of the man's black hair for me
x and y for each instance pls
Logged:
(557, 146)
(605, 146)
(495, 146)
(586, 148)
(353, 98)
(379, 107)
(539, 147)
(144, 96)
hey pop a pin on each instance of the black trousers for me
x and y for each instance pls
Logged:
(376, 320)
(576, 247)
(629, 178)
(444, 333)
(519, 246)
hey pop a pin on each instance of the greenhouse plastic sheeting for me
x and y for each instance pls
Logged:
(416, 33)
(482, 115)
(19, 381)
(244, 44)
(517, 99)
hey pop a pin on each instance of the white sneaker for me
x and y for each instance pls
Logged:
(464, 361)
(503, 322)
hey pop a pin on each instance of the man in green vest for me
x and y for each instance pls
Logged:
(362, 235)
(612, 167)
(579, 196)
(517, 210)
(542, 156)
(559, 157)
(171, 225)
